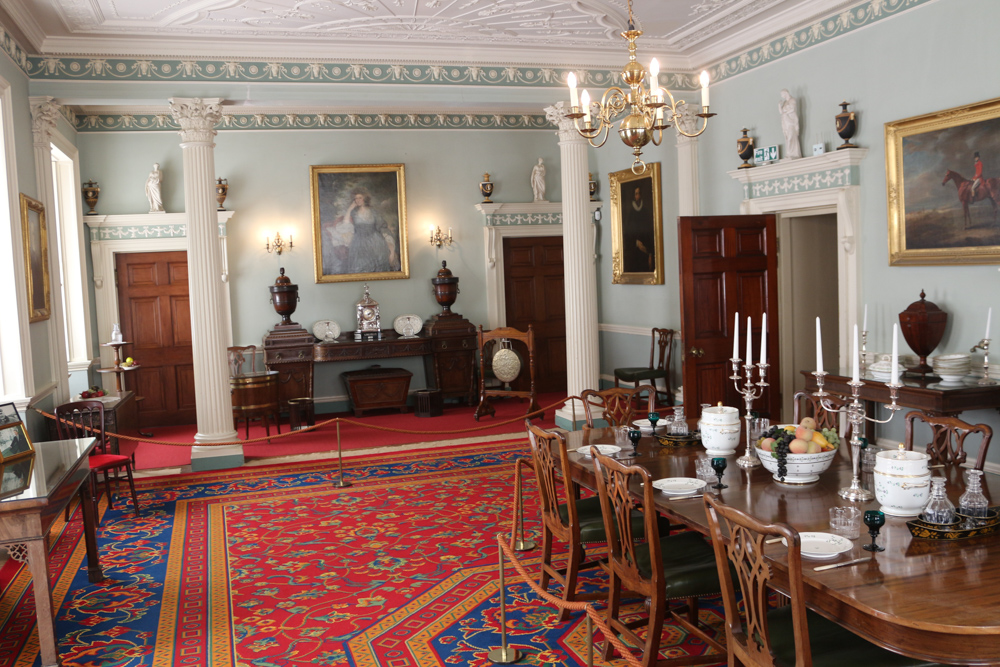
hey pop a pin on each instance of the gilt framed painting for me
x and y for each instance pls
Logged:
(359, 222)
(35, 237)
(943, 186)
(636, 227)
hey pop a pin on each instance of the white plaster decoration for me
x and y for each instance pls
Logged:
(44, 112)
(213, 402)
(580, 278)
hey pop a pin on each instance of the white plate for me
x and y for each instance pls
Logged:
(679, 486)
(605, 450)
(823, 546)
(326, 330)
(646, 426)
(408, 326)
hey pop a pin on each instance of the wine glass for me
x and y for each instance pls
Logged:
(874, 519)
(653, 418)
(719, 466)
(634, 434)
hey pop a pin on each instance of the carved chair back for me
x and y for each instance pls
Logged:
(82, 419)
(804, 404)
(618, 506)
(663, 346)
(238, 357)
(738, 539)
(545, 447)
(619, 403)
(948, 435)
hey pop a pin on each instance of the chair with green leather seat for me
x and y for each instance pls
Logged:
(662, 350)
(675, 567)
(575, 521)
(787, 635)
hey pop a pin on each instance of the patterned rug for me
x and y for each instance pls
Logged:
(275, 567)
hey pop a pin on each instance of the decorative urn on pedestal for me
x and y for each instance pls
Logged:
(847, 125)
(744, 148)
(285, 297)
(922, 324)
(90, 192)
(486, 188)
(445, 289)
(221, 190)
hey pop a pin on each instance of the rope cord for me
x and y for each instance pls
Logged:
(320, 425)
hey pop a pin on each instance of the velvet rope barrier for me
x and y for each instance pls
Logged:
(335, 420)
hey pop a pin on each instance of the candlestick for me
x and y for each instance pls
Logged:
(819, 348)
(855, 374)
(989, 316)
(736, 336)
(750, 391)
(749, 356)
(864, 324)
(984, 345)
(763, 340)
(895, 353)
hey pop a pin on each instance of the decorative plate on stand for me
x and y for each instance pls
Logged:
(326, 330)
(408, 326)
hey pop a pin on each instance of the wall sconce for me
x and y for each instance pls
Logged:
(277, 244)
(438, 239)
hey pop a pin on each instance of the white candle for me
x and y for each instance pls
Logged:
(855, 358)
(659, 110)
(654, 76)
(585, 102)
(895, 353)
(763, 340)
(819, 348)
(571, 80)
(864, 324)
(736, 336)
(704, 89)
(749, 357)
(989, 316)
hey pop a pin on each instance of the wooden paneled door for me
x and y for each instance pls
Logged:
(728, 264)
(156, 319)
(534, 294)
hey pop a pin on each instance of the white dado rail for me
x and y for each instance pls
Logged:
(141, 232)
(808, 186)
(518, 220)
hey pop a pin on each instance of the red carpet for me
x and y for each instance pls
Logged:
(353, 436)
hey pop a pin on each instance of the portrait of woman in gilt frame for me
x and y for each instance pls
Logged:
(636, 227)
(359, 222)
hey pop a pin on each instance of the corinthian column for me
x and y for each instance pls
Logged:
(197, 118)
(579, 274)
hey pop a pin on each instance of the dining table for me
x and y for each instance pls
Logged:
(928, 599)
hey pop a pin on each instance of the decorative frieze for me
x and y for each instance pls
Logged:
(837, 169)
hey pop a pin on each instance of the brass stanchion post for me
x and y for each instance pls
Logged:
(340, 483)
(503, 655)
(521, 544)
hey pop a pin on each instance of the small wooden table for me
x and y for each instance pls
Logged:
(937, 601)
(60, 469)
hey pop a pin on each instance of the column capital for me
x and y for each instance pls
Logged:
(556, 114)
(44, 113)
(197, 117)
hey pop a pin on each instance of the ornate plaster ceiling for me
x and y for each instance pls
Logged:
(685, 33)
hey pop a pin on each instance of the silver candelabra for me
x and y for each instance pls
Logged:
(855, 411)
(984, 345)
(749, 394)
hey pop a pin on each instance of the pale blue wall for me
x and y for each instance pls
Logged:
(931, 58)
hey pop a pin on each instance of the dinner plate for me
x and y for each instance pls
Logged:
(606, 450)
(647, 427)
(679, 486)
(822, 546)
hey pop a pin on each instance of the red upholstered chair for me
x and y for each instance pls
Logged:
(85, 419)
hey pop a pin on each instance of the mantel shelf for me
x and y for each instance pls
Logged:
(836, 169)
(526, 213)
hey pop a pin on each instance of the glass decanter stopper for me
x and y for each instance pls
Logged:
(939, 509)
(973, 503)
(679, 424)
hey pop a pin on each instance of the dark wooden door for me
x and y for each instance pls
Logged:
(534, 294)
(156, 319)
(728, 264)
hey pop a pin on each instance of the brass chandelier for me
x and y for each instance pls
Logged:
(649, 112)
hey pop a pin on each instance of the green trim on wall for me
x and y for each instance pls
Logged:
(150, 231)
(511, 219)
(819, 180)
(127, 122)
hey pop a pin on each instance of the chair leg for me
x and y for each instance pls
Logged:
(543, 581)
(572, 570)
(95, 491)
(107, 489)
(131, 486)
(693, 611)
(653, 631)
(614, 600)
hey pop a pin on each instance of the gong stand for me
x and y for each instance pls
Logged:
(506, 362)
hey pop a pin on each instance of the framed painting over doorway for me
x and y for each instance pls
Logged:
(359, 222)
(636, 227)
(35, 237)
(940, 212)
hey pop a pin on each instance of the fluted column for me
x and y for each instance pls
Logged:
(583, 367)
(198, 118)
(44, 113)
(687, 176)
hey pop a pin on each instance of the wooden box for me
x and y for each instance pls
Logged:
(430, 403)
(376, 387)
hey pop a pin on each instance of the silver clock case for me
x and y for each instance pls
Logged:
(368, 316)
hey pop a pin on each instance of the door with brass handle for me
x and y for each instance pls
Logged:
(696, 352)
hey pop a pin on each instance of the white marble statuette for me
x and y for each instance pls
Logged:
(788, 108)
(538, 181)
(153, 182)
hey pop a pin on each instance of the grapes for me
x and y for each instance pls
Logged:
(782, 439)
(831, 436)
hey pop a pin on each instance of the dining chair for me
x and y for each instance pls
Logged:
(661, 350)
(948, 434)
(765, 636)
(618, 403)
(237, 356)
(85, 419)
(663, 569)
(804, 404)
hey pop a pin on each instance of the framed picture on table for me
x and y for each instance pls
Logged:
(14, 442)
(943, 186)
(359, 222)
(35, 237)
(636, 227)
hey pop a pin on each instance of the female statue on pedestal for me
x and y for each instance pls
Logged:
(153, 182)
(790, 124)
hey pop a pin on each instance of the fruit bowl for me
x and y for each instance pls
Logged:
(809, 451)
(799, 468)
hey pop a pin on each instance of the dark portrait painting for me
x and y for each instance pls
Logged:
(637, 226)
(359, 222)
(34, 233)
(943, 173)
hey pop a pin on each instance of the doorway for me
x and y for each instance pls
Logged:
(808, 276)
(155, 317)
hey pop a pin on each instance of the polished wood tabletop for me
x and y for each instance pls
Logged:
(937, 601)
